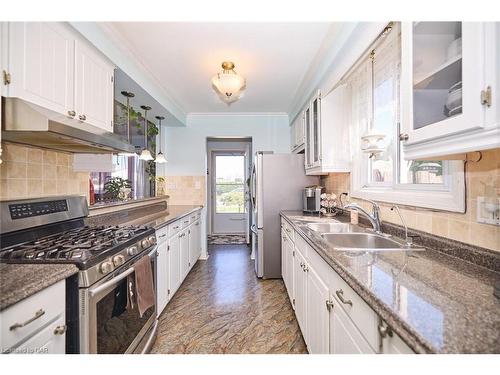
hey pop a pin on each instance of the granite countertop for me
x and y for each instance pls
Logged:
(437, 303)
(161, 219)
(156, 215)
(19, 281)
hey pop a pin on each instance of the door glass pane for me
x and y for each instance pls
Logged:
(229, 183)
(308, 136)
(315, 130)
(384, 123)
(437, 72)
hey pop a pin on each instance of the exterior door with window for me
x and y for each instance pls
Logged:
(229, 192)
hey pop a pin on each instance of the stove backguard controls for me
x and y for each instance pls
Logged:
(30, 209)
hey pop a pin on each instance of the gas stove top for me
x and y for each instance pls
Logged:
(52, 230)
(84, 246)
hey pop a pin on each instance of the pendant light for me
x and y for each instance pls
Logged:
(145, 153)
(128, 95)
(228, 84)
(160, 158)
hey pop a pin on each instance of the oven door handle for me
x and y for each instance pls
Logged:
(113, 281)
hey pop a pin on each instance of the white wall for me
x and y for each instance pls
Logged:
(185, 147)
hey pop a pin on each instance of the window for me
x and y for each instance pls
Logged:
(230, 183)
(434, 184)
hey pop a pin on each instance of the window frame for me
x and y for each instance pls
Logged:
(215, 184)
(449, 196)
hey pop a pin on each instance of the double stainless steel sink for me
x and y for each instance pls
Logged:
(349, 237)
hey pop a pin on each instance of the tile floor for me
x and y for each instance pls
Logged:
(223, 308)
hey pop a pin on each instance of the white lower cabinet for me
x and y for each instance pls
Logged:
(179, 247)
(287, 266)
(174, 275)
(184, 250)
(50, 340)
(300, 289)
(345, 337)
(162, 274)
(317, 313)
(333, 318)
(36, 324)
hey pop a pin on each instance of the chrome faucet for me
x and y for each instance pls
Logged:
(408, 239)
(374, 217)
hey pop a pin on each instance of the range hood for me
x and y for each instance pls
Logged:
(27, 123)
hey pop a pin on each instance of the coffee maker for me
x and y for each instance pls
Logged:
(312, 199)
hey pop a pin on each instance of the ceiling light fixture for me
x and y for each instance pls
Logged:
(160, 158)
(145, 153)
(228, 84)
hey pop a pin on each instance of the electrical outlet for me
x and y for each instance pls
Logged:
(488, 210)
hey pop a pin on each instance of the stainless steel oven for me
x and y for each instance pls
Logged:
(106, 325)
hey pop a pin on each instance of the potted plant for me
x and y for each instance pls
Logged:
(118, 188)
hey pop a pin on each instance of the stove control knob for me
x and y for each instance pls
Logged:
(106, 267)
(152, 240)
(132, 250)
(145, 243)
(118, 260)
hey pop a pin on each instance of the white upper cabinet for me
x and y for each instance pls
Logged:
(327, 133)
(297, 134)
(51, 65)
(447, 72)
(93, 87)
(41, 64)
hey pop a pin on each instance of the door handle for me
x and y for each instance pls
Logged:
(340, 294)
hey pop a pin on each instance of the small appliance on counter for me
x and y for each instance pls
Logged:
(312, 199)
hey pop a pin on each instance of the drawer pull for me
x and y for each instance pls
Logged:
(177, 227)
(340, 294)
(163, 235)
(38, 314)
(288, 230)
(60, 330)
(186, 222)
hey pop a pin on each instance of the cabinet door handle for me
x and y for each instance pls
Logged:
(60, 330)
(384, 330)
(163, 235)
(404, 137)
(329, 305)
(284, 238)
(82, 117)
(38, 314)
(71, 113)
(340, 294)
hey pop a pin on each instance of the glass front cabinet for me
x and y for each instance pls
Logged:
(449, 78)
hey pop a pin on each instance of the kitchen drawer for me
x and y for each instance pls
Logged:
(287, 227)
(174, 228)
(162, 234)
(185, 221)
(34, 312)
(50, 340)
(363, 317)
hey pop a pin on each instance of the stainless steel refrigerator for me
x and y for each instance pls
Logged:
(277, 183)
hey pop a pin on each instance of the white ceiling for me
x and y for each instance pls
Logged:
(182, 57)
